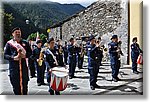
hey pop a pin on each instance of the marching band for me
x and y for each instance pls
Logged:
(54, 54)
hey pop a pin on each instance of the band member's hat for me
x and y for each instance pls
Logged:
(114, 37)
(91, 38)
(39, 41)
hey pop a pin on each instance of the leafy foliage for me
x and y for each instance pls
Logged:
(33, 36)
(8, 19)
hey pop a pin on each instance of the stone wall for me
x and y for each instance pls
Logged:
(55, 33)
(102, 18)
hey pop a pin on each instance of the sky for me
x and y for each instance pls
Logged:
(82, 2)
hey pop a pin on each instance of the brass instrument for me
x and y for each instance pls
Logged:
(82, 52)
(60, 50)
(40, 61)
(41, 56)
(105, 49)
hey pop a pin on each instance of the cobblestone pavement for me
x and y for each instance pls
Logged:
(131, 84)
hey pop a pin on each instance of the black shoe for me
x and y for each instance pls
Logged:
(96, 86)
(92, 87)
(74, 77)
(39, 84)
(57, 93)
(101, 64)
(114, 79)
(31, 77)
(43, 84)
(51, 92)
(118, 79)
(70, 77)
(135, 72)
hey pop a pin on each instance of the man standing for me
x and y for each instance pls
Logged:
(72, 52)
(81, 52)
(65, 48)
(114, 52)
(59, 47)
(101, 47)
(93, 62)
(16, 51)
(31, 61)
(39, 67)
(135, 51)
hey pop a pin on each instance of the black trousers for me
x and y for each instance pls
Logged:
(31, 67)
(93, 71)
(134, 58)
(134, 64)
(115, 69)
(40, 72)
(72, 65)
(66, 58)
(60, 60)
(80, 62)
(15, 82)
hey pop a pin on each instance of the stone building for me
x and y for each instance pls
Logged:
(102, 19)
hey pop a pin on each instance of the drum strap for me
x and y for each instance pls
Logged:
(53, 56)
(17, 46)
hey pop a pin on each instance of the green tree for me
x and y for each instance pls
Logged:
(33, 36)
(8, 19)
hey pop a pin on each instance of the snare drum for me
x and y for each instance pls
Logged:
(59, 77)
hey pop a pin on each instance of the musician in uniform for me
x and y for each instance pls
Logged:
(16, 51)
(81, 52)
(51, 61)
(65, 48)
(38, 63)
(93, 62)
(59, 47)
(135, 51)
(72, 52)
(31, 61)
(114, 52)
(101, 47)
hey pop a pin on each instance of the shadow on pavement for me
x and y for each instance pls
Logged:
(73, 86)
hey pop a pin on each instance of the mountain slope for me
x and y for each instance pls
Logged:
(19, 21)
(45, 14)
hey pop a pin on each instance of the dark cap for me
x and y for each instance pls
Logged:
(51, 39)
(16, 28)
(114, 37)
(39, 41)
(58, 40)
(91, 38)
(71, 39)
(135, 38)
